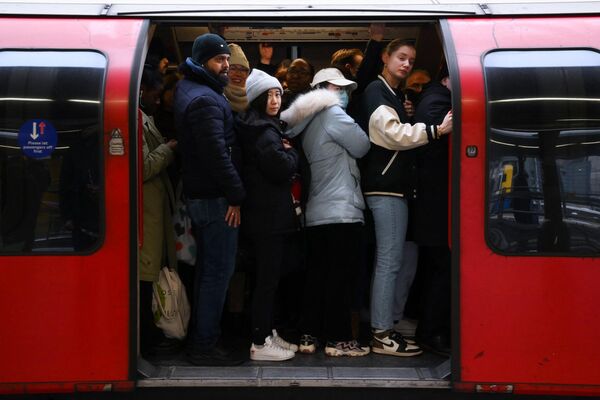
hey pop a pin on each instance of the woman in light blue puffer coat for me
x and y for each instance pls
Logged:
(332, 142)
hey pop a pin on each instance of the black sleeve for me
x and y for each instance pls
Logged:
(208, 141)
(276, 163)
(371, 66)
(432, 110)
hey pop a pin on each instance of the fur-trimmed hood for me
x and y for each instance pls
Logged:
(305, 107)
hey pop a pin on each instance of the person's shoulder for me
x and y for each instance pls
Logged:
(376, 88)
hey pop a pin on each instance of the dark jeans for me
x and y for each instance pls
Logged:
(270, 256)
(435, 299)
(333, 259)
(216, 249)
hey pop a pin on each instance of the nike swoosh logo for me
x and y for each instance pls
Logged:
(389, 344)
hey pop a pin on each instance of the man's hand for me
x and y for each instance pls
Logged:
(409, 109)
(172, 144)
(233, 216)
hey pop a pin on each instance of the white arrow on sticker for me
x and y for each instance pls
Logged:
(34, 135)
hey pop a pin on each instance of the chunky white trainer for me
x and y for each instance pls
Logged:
(281, 342)
(270, 352)
(349, 349)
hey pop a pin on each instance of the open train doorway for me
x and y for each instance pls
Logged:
(316, 43)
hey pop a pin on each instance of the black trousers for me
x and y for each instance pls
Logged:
(270, 255)
(332, 263)
(435, 299)
(150, 334)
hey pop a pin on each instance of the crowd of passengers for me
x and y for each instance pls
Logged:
(293, 166)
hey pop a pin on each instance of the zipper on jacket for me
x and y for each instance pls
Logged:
(389, 164)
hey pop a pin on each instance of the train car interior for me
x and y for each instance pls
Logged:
(315, 42)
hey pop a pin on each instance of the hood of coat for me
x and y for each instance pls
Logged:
(250, 124)
(305, 107)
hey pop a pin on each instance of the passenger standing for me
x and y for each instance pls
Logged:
(158, 248)
(347, 61)
(265, 50)
(298, 77)
(431, 217)
(211, 182)
(269, 217)
(239, 69)
(388, 180)
(332, 142)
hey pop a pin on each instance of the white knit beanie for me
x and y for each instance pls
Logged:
(259, 82)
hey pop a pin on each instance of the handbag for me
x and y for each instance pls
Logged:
(170, 305)
(185, 244)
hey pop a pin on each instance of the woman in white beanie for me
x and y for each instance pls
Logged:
(333, 219)
(268, 217)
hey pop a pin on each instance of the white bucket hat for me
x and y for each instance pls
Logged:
(335, 76)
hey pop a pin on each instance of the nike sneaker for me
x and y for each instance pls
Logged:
(393, 344)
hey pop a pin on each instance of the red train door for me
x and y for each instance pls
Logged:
(68, 209)
(527, 215)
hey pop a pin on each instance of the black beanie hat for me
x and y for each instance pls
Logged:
(207, 46)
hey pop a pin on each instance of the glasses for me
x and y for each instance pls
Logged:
(239, 69)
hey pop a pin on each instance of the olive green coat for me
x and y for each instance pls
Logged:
(158, 202)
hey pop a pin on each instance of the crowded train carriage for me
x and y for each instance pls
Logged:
(352, 195)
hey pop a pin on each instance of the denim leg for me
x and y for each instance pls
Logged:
(410, 260)
(390, 216)
(215, 262)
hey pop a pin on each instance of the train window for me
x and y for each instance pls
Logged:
(543, 159)
(50, 151)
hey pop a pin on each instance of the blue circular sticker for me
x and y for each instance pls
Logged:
(37, 138)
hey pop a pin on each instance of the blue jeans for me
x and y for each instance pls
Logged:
(216, 244)
(390, 216)
(410, 259)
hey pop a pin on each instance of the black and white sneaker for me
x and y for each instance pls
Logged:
(308, 344)
(393, 344)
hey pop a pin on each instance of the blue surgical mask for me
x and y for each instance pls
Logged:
(344, 98)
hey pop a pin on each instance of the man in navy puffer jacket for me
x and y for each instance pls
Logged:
(213, 188)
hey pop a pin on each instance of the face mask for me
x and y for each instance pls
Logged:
(344, 99)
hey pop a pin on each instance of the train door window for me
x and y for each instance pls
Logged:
(543, 159)
(51, 184)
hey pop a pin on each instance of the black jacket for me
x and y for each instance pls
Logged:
(389, 170)
(211, 157)
(431, 208)
(267, 176)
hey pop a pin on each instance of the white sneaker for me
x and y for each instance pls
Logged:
(281, 342)
(270, 352)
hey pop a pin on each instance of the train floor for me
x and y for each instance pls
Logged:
(316, 370)
(427, 370)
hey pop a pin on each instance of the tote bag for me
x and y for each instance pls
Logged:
(170, 304)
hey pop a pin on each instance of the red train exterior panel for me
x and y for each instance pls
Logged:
(67, 318)
(523, 320)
